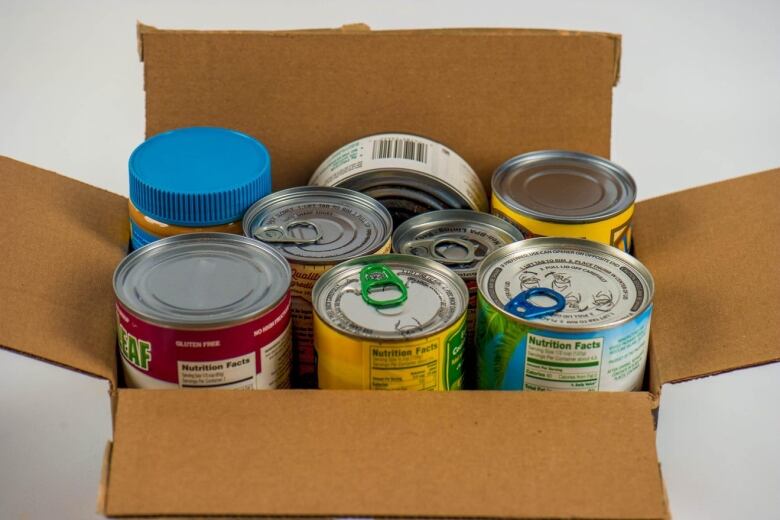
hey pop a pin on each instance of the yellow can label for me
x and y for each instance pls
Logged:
(614, 231)
(304, 276)
(431, 363)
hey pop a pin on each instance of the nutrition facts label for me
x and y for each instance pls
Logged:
(405, 368)
(562, 364)
(234, 373)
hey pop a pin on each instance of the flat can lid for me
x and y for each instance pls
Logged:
(201, 280)
(564, 187)
(603, 286)
(436, 299)
(319, 225)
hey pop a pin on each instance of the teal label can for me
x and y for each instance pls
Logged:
(562, 314)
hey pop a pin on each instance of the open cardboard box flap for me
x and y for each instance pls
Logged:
(464, 454)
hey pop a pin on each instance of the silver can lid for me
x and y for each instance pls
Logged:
(600, 286)
(432, 298)
(459, 239)
(564, 187)
(201, 280)
(319, 225)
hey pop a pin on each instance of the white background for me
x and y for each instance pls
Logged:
(697, 102)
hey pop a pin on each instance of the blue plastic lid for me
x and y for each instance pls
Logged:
(199, 176)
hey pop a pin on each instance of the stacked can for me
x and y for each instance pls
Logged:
(407, 173)
(191, 180)
(315, 228)
(566, 194)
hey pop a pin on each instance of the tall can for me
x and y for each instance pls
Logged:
(204, 310)
(566, 194)
(562, 314)
(459, 239)
(390, 322)
(407, 173)
(315, 228)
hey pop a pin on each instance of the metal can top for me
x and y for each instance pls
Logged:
(459, 239)
(564, 187)
(319, 225)
(201, 280)
(432, 297)
(199, 176)
(602, 286)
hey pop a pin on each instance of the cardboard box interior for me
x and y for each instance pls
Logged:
(489, 94)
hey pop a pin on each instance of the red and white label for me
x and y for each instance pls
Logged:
(252, 355)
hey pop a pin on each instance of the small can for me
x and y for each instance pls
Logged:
(566, 194)
(315, 228)
(204, 310)
(459, 239)
(407, 173)
(562, 314)
(390, 322)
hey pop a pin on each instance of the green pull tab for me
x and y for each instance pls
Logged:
(373, 276)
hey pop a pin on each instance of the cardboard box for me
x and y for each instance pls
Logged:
(489, 94)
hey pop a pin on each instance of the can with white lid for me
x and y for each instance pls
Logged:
(459, 239)
(315, 228)
(407, 173)
(558, 193)
(390, 322)
(204, 310)
(562, 314)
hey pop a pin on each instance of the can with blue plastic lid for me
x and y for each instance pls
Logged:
(198, 179)
(562, 314)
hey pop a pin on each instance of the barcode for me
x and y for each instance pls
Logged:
(392, 148)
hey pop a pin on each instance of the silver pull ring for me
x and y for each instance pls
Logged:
(283, 235)
(429, 248)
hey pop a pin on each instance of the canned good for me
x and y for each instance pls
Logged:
(194, 180)
(408, 174)
(562, 314)
(315, 228)
(204, 310)
(459, 239)
(566, 194)
(391, 322)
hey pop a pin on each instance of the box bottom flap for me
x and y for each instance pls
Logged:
(397, 454)
(713, 255)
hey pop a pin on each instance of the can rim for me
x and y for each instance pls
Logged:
(390, 257)
(576, 244)
(339, 193)
(210, 324)
(536, 157)
(442, 217)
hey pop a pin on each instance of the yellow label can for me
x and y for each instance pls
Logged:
(390, 322)
(566, 194)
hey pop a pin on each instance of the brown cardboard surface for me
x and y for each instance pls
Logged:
(489, 94)
(61, 240)
(713, 253)
(322, 453)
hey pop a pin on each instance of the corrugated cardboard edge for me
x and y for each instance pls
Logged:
(111, 386)
(362, 28)
(100, 507)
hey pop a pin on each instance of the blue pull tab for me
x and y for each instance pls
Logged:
(522, 308)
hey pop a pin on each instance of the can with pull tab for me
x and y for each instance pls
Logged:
(459, 239)
(562, 314)
(315, 228)
(390, 322)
